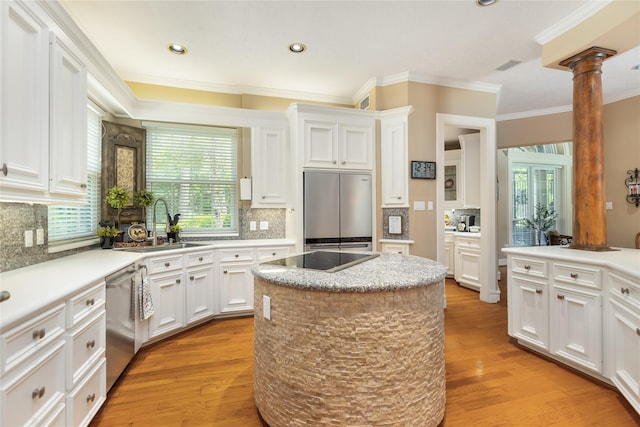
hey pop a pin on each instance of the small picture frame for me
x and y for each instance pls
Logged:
(423, 170)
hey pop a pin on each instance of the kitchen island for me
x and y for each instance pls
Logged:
(360, 346)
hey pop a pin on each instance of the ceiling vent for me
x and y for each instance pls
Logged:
(510, 64)
(364, 104)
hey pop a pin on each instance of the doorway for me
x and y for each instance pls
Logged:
(489, 291)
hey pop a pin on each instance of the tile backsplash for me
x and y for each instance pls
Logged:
(15, 218)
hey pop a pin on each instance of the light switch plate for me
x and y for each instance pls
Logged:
(609, 205)
(28, 238)
(39, 236)
(252, 226)
(264, 225)
(418, 205)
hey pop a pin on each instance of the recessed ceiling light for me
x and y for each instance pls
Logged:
(485, 2)
(178, 49)
(297, 47)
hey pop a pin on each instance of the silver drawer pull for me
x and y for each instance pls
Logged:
(38, 392)
(39, 333)
(200, 259)
(527, 267)
(574, 275)
(91, 344)
(538, 291)
(560, 296)
(91, 397)
(624, 291)
(91, 301)
(167, 264)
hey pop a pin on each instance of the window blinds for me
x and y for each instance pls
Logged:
(194, 168)
(76, 222)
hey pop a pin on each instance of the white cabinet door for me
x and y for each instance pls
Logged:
(320, 144)
(270, 165)
(236, 288)
(167, 294)
(199, 293)
(453, 183)
(529, 311)
(449, 258)
(625, 343)
(24, 103)
(471, 169)
(576, 317)
(356, 146)
(394, 162)
(468, 268)
(68, 124)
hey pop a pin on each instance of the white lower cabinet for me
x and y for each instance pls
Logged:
(167, 294)
(467, 260)
(236, 280)
(199, 293)
(84, 401)
(449, 253)
(584, 315)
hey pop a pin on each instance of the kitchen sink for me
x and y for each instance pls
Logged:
(167, 247)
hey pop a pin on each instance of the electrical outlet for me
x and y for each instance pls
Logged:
(28, 238)
(40, 236)
(252, 226)
(266, 307)
(264, 225)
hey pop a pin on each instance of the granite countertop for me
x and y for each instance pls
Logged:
(387, 272)
(625, 260)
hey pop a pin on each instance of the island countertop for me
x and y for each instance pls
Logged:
(387, 272)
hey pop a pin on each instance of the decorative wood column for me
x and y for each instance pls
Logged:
(589, 214)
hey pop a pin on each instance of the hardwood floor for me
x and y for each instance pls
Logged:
(204, 377)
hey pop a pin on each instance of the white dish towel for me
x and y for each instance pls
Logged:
(146, 304)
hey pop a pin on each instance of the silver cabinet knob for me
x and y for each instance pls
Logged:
(91, 301)
(167, 264)
(344, 163)
(91, 344)
(200, 259)
(237, 255)
(191, 277)
(560, 296)
(91, 397)
(574, 275)
(538, 291)
(225, 271)
(527, 267)
(39, 334)
(38, 392)
(178, 281)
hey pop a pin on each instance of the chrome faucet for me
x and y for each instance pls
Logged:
(166, 208)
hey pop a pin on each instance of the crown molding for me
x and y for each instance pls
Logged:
(534, 113)
(570, 21)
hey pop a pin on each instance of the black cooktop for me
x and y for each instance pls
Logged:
(323, 260)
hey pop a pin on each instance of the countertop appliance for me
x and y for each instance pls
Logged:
(121, 314)
(323, 260)
(337, 211)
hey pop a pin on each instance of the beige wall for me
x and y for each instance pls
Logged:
(428, 100)
(622, 152)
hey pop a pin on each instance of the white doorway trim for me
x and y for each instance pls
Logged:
(489, 291)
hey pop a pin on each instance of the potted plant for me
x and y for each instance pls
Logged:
(107, 234)
(542, 220)
(174, 232)
(143, 199)
(118, 198)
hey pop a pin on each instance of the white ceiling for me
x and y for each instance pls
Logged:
(242, 47)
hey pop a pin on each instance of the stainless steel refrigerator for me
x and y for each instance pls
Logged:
(337, 211)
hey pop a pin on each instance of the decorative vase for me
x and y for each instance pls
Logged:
(106, 242)
(173, 237)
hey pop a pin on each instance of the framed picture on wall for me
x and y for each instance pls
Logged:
(423, 170)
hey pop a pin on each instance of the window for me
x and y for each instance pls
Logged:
(68, 224)
(194, 168)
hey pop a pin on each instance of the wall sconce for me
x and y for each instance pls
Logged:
(633, 184)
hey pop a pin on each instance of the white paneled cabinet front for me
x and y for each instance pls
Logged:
(236, 280)
(68, 124)
(320, 144)
(394, 160)
(167, 294)
(199, 293)
(270, 165)
(356, 146)
(24, 103)
(43, 99)
(467, 260)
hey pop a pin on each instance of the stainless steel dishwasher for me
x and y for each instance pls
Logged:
(121, 320)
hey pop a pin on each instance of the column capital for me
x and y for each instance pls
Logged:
(596, 51)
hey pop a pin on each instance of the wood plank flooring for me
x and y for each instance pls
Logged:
(204, 377)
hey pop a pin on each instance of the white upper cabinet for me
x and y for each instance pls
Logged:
(270, 166)
(68, 130)
(335, 138)
(24, 101)
(394, 157)
(470, 145)
(43, 98)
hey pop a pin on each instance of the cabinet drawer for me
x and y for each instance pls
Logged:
(167, 263)
(21, 342)
(85, 345)
(577, 275)
(31, 396)
(85, 400)
(467, 242)
(82, 305)
(198, 258)
(530, 267)
(625, 289)
(265, 254)
(236, 254)
(448, 237)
